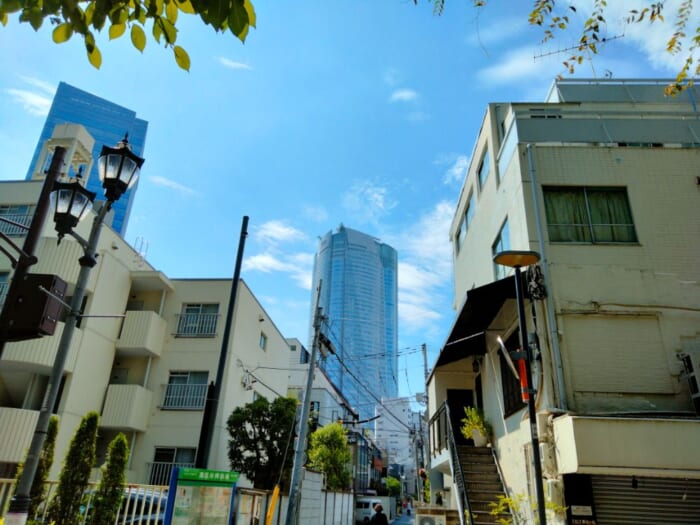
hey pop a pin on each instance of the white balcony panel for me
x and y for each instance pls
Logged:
(627, 446)
(16, 430)
(126, 408)
(38, 355)
(61, 260)
(143, 333)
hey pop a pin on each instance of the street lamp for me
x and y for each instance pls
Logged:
(118, 168)
(516, 260)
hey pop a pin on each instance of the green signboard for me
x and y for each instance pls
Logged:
(201, 496)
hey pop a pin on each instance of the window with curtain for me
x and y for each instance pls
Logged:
(512, 396)
(588, 215)
(501, 244)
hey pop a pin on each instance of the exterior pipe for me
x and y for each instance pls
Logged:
(551, 318)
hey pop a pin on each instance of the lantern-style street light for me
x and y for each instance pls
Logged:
(516, 260)
(118, 168)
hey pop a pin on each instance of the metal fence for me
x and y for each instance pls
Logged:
(15, 230)
(185, 397)
(159, 471)
(196, 325)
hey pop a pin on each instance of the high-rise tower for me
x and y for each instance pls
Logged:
(359, 300)
(107, 123)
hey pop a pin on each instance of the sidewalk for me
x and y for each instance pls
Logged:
(404, 519)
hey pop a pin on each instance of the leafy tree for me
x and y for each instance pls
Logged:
(38, 490)
(65, 506)
(329, 453)
(260, 446)
(111, 489)
(85, 17)
(557, 17)
(393, 485)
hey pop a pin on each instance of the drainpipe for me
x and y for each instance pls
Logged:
(551, 318)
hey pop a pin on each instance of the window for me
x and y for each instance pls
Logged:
(466, 221)
(588, 215)
(502, 243)
(263, 341)
(185, 391)
(512, 396)
(165, 458)
(198, 320)
(484, 168)
(18, 213)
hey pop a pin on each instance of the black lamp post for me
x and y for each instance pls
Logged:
(118, 168)
(516, 260)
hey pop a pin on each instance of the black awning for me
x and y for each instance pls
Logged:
(467, 337)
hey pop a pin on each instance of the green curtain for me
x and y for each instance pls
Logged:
(567, 217)
(611, 218)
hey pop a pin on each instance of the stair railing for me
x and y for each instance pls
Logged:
(458, 473)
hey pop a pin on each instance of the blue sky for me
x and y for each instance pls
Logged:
(359, 112)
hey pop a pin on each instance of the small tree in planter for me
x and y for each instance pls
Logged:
(111, 489)
(475, 427)
(65, 506)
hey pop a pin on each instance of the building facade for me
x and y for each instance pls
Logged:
(358, 299)
(601, 181)
(142, 356)
(107, 123)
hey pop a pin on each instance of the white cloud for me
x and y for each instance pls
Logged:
(167, 183)
(498, 31)
(298, 266)
(315, 213)
(33, 103)
(367, 202)
(456, 172)
(231, 64)
(519, 65)
(46, 87)
(403, 95)
(277, 231)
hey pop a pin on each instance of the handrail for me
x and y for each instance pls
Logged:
(463, 497)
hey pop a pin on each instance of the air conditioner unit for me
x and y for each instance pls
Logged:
(691, 364)
(430, 519)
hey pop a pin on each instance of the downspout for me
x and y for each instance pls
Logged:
(551, 318)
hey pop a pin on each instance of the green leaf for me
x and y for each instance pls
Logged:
(62, 33)
(168, 30)
(138, 37)
(157, 30)
(185, 7)
(116, 30)
(3, 19)
(182, 58)
(238, 20)
(35, 17)
(95, 57)
(252, 19)
(220, 10)
(171, 11)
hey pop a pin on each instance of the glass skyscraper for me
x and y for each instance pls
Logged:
(107, 123)
(358, 297)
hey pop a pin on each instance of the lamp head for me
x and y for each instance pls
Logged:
(71, 202)
(516, 258)
(118, 168)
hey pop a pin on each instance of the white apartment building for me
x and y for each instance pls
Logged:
(602, 181)
(146, 370)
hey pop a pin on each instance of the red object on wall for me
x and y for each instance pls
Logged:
(524, 387)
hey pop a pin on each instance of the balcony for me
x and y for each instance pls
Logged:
(127, 407)
(184, 396)
(621, 445)
(16, 430)
(143, 333)
(20, 219)
(196, 325)
(159, 472)
(38, 355)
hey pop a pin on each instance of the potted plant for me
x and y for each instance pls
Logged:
(475, 427)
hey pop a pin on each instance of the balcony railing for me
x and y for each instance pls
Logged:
(196, 325)
(184, 397)
(14, 230)
(159, 472)
(3, 293)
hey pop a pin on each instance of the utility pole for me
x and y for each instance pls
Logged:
(299, 453)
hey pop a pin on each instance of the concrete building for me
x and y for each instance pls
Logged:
(359, 301)
(107, 123)
(143, 361)
(601, 180)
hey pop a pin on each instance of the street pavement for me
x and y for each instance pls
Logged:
(403, 519)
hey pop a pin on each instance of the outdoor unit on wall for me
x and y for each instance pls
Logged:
(430, 519)
(691, 364)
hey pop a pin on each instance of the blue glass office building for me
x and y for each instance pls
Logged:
(107, 123)
(358, 297)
